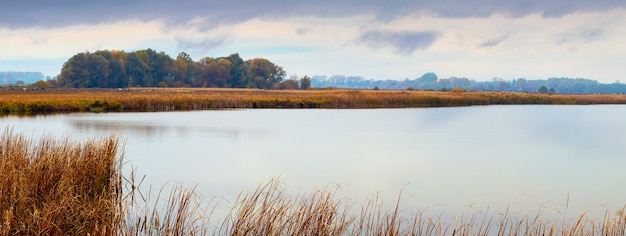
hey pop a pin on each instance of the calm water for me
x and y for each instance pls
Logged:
(448, 158)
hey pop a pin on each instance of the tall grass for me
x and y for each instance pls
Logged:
(64, 187)
(169, 99)
(58, 186)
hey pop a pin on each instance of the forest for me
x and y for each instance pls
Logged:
(148, 68)
(430, 81)
(18, 78)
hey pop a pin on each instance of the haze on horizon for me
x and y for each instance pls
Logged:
(379, 40)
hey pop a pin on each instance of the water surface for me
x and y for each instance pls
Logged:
(447, 159)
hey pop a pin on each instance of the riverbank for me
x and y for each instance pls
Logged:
(50, 100)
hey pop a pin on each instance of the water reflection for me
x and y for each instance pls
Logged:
(152, 130)
(450, 158)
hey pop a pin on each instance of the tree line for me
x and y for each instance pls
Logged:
(15, 77)
(430, 81)
(148, 68)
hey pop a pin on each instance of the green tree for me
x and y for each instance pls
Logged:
(305, 82)
(75, 70)
(161, 66)
(85, 70)
(138, 73)
(98, 72)
(238, 71)
(118, 76)
(542, 89)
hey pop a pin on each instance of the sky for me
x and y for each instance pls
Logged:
(376, 39)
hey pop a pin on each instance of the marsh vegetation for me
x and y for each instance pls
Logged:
(31, 101)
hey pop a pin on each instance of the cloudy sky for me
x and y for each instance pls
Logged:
(377, 39)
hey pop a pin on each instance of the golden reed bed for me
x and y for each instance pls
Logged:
(59, 186)
(30, 101)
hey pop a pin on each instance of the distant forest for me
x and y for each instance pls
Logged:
(12, 77)
(430, 81)
(148, 68)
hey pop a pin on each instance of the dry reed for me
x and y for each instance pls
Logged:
(59, 187)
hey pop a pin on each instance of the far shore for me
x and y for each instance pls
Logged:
(61, 100)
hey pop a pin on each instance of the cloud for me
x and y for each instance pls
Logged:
(494, 42)
(200, 46)
(591, 34)
(44, 13)
(404, 43)
(584, 35)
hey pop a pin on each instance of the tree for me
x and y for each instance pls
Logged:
(261, 73)
(118, 76)
(98, 72)
(305, 82)
(183, 66)
(138, 69)
(75, 70)
(161, 65)
(41, 84)
(542, 89)
(85, 70)
(428, 78)
(214, 72)
(288, 84)
(107, 69)
(238, 71)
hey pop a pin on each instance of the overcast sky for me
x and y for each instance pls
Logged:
(384, 39)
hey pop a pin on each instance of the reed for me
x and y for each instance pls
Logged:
(58, 186)
(169, 99)
(64, 187)
(269, 211)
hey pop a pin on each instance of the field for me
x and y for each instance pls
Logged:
(29, 101)
(60, 186)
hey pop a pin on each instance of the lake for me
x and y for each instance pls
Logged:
(445, 160)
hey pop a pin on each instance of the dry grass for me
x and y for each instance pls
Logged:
(168, 99)
(58, 187)
(269, 211)
(64, 187)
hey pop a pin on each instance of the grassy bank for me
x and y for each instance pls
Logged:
(64, 187)
(169, 99)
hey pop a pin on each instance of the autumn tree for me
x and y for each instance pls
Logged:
(183, 66)
(288, 84)
(147, 68)
(264, 74)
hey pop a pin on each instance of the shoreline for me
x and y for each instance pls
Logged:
(61, 100)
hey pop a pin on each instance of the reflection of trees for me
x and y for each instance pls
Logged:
(154, 130)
